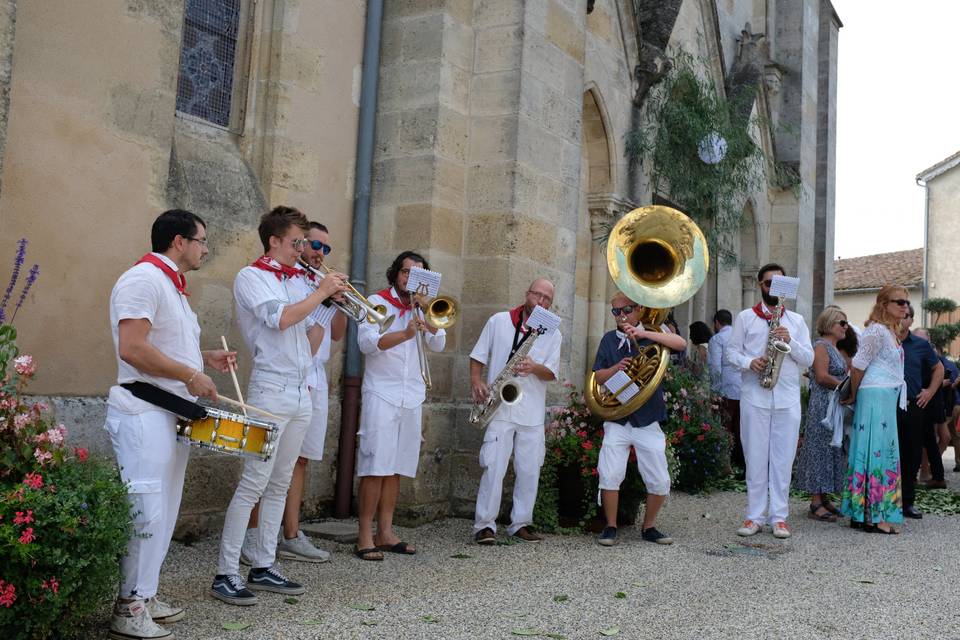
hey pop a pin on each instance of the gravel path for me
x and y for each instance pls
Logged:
(827, 581)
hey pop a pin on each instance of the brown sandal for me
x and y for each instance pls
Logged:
(826, 517)
(371, 553)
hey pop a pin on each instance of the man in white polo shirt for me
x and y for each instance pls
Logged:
(157, 342)
(274, 319)
(393, 391)
(514, 429)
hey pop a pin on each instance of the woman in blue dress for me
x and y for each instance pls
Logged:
(871, 495)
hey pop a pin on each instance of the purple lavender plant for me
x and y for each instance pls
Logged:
(17, 263)
(31, 278)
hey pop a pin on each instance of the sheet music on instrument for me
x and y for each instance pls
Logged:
(540, 317)
(618, 380)
(784, 287)
(424, 281)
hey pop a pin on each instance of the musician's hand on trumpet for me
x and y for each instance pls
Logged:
(333, 284)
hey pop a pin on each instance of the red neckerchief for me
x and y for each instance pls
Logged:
(177, 278)
(309, 275)
(766, 315)
(516, 318)
(266, 263)
(387, 294)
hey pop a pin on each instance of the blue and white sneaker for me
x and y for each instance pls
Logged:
(270, 579)
(232, 590)
(608, 537)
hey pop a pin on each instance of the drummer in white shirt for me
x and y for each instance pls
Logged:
(514, 429)
(157, 341)
(393, 392)
(769, 418)
(277, 327)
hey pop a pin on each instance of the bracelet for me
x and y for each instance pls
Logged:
(196, 372)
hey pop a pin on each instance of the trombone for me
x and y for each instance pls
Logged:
(354, 305)
(441, 312)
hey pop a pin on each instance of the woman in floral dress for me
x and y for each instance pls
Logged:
(871, 496)
(820, 467)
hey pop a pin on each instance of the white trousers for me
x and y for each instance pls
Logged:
(152, 463)
(527, 446)
(316, 435)
(650, 445)
(266, 481)
(769, 438)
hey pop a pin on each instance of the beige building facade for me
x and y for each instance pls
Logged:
(858, 280)
(499, 152)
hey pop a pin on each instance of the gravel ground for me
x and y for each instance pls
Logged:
(827, 581)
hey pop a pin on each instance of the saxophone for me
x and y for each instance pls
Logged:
(505, 389)
(776, 350)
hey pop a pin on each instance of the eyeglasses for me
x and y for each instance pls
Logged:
(299, 243)
(540, 296)
(901, 302)
(623, 311)
(202, 241)
(316, 245)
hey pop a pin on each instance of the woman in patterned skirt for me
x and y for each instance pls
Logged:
(871, 496)
(820, 467)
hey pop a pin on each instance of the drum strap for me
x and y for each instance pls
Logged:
(166, 400)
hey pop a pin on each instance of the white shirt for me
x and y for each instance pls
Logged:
(748, 340)
(493, 350)
(145, 292)
(394, 374)
(260, 301)
(724, 377)
(323, 316)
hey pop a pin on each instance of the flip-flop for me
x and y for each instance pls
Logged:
(401, 547)
(368, 554)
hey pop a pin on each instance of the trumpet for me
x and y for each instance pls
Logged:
(354, 305)
(441, 312)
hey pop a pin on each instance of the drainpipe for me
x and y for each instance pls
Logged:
(924, 293)
(350, 394)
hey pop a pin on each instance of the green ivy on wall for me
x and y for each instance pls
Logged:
(701, 153)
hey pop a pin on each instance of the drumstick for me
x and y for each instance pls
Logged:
(233, 374)
(247, 406)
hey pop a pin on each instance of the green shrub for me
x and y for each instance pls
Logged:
(64, 517)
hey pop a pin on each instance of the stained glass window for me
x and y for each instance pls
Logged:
(207, 55)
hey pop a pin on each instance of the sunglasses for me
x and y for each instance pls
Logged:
(842, 323)
(316, 245)
(622, 311)
(901, 302)
(767, 283)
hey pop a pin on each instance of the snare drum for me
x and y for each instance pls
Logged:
(231, 433)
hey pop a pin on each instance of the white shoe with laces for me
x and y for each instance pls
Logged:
(163, 613)
(749, 528)
(781, 530)
(300, 548)
(132, 621)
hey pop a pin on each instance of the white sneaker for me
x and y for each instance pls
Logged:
(249, 543)
(132, 622)
(781, 530)
(300, 548)
(749, 528)
(163, 613)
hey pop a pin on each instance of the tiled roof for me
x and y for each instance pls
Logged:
(872, 272)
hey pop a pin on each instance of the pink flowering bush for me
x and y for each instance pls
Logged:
(567, 495)
(64, 515)
(694, 429)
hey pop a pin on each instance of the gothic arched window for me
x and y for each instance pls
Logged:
(205, 87)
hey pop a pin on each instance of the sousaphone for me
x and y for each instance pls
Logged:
(658, 257)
